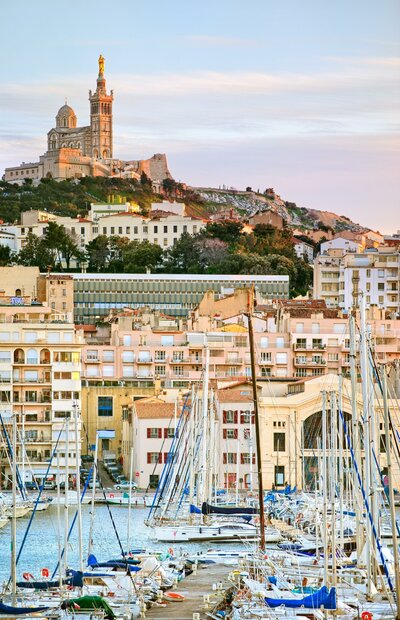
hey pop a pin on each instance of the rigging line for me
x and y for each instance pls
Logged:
(11, 457)
(366, 502)
(164, 478)
(74, 517)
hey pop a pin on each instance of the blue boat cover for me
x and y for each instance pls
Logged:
(19, 611)
(194, 510)
(324, 597)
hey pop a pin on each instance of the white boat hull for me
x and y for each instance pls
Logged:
(224, 532)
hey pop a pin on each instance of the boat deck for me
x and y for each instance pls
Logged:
(194, 588)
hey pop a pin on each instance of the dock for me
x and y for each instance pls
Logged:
(194, 588)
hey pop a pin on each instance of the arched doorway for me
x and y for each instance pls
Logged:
(311, 448)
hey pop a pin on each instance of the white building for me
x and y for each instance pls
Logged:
(304, 250)
(341, 243)
(339, 277)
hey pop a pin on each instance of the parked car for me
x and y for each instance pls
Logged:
(125, 485)
(31, 486)
(49, 485)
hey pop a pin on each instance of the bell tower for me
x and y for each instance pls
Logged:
(101, 117)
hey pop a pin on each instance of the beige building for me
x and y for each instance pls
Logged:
(74, 152)
(40, 381)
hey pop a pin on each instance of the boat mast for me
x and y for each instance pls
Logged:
(391, 491)
(367, 441)
(59, 521)
(128, 531)
(202, 494)
(324, 488)
(192, 414)
(78, 485)
(355, 431)
(66, 505)
(14, 510)
(257, 419)
(94, 479)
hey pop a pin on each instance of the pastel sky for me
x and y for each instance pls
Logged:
(299, 95)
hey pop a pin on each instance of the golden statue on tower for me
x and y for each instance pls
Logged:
(101, 64)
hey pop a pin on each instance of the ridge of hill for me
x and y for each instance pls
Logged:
(249, 202)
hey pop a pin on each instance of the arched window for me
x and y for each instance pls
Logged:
(32, 356)
(105, 154)
(18, 292)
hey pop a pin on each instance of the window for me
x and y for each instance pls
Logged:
(230, 433)
(230, 457)
(246, 417)
(368, 273)
(279, 475)
(108, 370)
(159, 370)
(333, 357)
(245, 458)
(169, 433)
(128, 230)
(165, 242)
(281, 358)
(105, 406)
(177, 370)
(175, 229)
(194, 229)
(381, 286)
(154, 457)
(279, 442)
(104, 230)
(380, 299)
(112, 230)
(230, 417)
(264, 342)
(154, 433)
(266, 357)
(127, 371)
(82, 231)
(135, 230)
(155, 229)
(30, 336)
(167, 341)
(108, 356)
(127, 340)
(184, 228)
(280, 342)
(5, 357)
(128, 356)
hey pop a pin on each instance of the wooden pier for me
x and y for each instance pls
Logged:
(194, 588)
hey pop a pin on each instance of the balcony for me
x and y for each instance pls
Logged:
(19, 380)
(265, 362)
(38, 418)
(92, 359)
(31, 400)
(309, 362)
(308, 347)
(144, 360)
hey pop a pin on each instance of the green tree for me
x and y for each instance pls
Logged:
(140, 256)
(183, 256)
(6, 256)
(35, 253)
(97, 254)
(230, 232)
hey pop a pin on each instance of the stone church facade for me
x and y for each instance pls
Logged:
(75, 152)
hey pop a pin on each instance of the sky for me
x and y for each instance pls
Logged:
(299, 95)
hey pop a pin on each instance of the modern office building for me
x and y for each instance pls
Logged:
(95, 294)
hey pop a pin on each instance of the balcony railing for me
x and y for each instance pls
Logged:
(308, 362)
(308, 347)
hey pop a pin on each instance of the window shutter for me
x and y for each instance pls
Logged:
(242, 417)
(165, 433)
(242, 458)
(235, 417)
(159, 457)
(148, 437)
(254, 459)
(224, 417)
(159, 433)
(165, 456)
(236, 433)
(225, 458)
(149, 456)
(224, 433)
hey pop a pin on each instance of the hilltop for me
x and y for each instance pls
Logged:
(73, 198)
(246, 203)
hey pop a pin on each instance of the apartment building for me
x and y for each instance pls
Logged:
(40, 383)
(339, 277)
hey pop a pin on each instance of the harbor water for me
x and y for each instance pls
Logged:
(41, 547)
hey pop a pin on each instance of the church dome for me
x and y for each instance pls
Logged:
(66, 117)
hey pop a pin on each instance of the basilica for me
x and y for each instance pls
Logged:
(74, 152)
